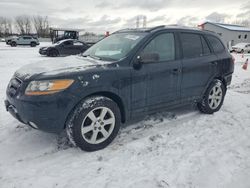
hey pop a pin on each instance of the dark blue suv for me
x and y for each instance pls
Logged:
(132, 73)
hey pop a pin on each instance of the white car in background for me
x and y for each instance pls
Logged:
(241, 48)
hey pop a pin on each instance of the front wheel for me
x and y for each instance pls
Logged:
(53, 53)
(213, 98)
(94, 123)
(13, 44)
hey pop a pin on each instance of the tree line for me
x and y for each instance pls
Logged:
(24, 24)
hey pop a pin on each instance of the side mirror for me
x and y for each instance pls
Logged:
(137, 64)
(145, 58)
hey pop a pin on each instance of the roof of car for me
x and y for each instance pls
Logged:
(163, 27)
(61, 41)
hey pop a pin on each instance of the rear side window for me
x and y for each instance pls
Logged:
(216, 44)
(76, 43)
(68, 43)
(163, 45)
(191, 45)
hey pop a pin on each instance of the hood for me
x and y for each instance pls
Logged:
(58, 66)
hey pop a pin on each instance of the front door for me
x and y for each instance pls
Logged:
(157, 84)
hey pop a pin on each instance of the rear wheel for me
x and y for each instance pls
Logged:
(213, 98)
(13, 44)
(94, 123)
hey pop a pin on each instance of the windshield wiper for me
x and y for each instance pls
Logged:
(92, 56)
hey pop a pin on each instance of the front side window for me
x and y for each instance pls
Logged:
(162, 45)
(115, 47)
(191, 45)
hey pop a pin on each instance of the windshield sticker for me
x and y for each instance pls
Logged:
(132, 37)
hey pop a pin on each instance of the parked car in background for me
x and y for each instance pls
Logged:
(24, 40)
(2, 40)
(64, 48)
(125, 76)
(241, 48)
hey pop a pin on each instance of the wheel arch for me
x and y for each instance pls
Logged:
(53, 49)
(117, 99)
(221, 78)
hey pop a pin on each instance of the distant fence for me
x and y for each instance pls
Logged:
(44, 39)
(90, 39)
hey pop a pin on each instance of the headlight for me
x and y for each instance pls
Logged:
(45, 87)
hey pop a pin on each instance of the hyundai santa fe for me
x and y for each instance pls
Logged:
(130, 74)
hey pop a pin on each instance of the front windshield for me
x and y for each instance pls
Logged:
(114, 47)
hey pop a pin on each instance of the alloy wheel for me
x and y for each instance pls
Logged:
(98, 125)
(215, 97)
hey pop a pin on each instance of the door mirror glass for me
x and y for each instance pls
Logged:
(148, 57)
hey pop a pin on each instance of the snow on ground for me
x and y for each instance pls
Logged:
(183, 148)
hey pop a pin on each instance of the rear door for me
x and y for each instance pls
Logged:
(26, 40)
(198, 65)
(79, 47)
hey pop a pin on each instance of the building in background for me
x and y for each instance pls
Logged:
(230, 34)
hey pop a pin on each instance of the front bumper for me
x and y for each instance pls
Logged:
(42, 52)
(47, 113)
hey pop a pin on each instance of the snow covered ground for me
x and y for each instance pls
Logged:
(183, 148)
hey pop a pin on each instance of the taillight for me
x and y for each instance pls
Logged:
(233, 59)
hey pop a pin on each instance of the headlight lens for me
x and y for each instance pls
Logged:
(45, 87)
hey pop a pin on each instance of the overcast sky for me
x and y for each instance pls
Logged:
(110, 15)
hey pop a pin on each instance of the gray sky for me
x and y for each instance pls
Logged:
(102, 15)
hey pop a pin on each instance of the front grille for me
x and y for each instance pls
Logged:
(14, 86)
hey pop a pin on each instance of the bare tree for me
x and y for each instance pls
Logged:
(23, 24)
(41, 25)
(5, 26)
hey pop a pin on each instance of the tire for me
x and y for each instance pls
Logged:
(213, 98)
(90, 116)
(13, 44)
(242, 51)
(53, 53)
(33, 44)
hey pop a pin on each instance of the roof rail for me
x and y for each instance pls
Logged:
(156, 27)
(140, 29)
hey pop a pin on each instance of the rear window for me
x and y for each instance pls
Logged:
(216, 44)
(191, 45)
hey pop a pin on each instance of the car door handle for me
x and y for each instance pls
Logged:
(176, 71)
(214, 63)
